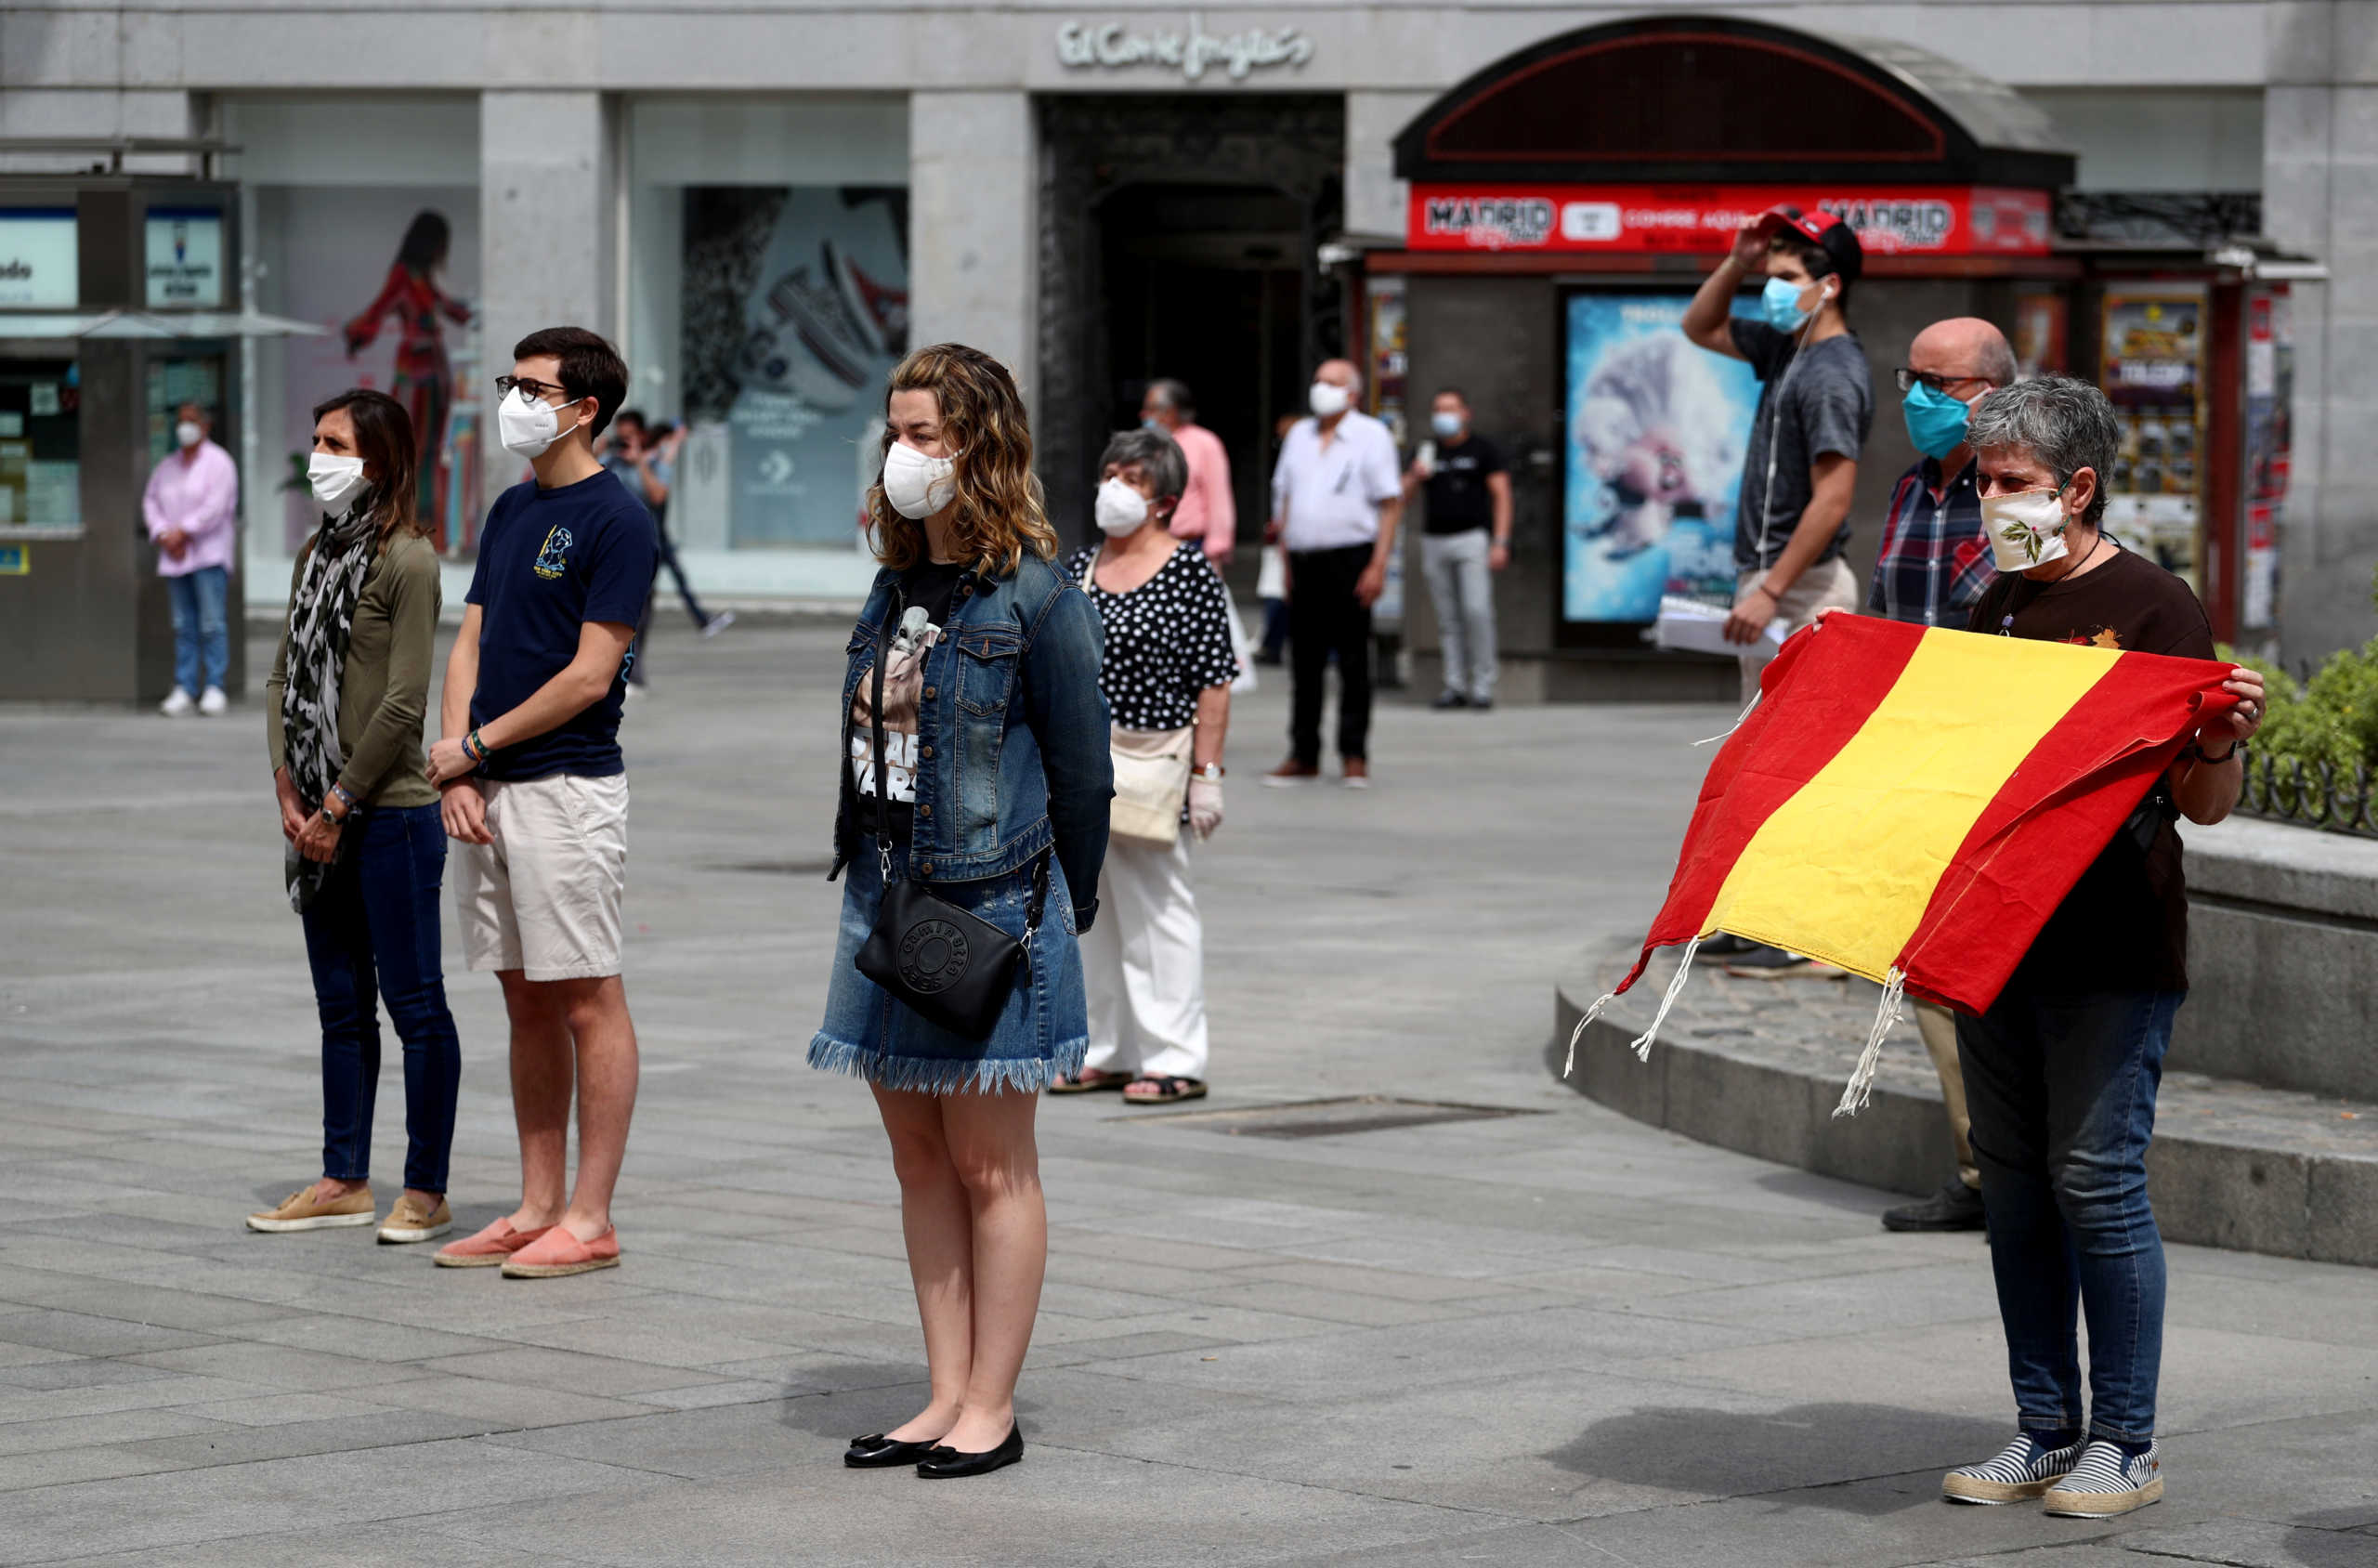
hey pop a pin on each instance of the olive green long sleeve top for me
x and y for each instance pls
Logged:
(384, 692)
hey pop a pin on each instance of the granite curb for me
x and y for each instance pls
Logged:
(1759, 1065)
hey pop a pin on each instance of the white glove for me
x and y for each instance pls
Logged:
(1205, 807)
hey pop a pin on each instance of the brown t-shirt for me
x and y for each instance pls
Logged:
(2125, 925)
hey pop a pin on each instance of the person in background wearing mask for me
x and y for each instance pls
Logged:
(2061, 1073)
(644, 460)
(1467, 538)
(1166, 667)
(537, 791)
(342, 712)
(1206, 513)
(1336, 496)
(1816, 404)
(191, 504)
(1934, 563)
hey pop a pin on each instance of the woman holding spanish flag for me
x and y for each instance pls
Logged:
(2061, 1071)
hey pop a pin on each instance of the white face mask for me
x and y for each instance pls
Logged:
(529, 428)
(2026, 528)
(1327, 400)
(335, 480)
(918, 486)
(1121, 510)
(188, 434)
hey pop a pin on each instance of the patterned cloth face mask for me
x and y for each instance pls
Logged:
(2026, 528)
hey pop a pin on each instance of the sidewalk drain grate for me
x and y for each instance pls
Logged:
(1331, 1118)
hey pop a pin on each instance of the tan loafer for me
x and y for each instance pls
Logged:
(299, 1211)
(410, 1220)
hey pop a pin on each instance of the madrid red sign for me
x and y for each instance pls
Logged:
(1933, 221)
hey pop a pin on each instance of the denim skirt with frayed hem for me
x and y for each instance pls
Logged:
(1042, 1034)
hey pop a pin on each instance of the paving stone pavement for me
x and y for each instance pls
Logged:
(1553, 1337)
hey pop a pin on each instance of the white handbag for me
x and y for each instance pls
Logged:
(1151, 784)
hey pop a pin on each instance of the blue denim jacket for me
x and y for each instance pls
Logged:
(1013, 733)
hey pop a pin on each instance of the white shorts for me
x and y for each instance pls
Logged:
(544, 897)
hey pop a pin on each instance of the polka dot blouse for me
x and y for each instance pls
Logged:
(1167, 640)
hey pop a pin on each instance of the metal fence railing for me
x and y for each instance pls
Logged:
(2309, 794)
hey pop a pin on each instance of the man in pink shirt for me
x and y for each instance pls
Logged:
(192, 505)
(1207, 512)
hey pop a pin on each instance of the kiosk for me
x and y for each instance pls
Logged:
(1567, 201)
(119, 298)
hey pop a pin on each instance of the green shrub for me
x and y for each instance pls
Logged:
(2331, 718)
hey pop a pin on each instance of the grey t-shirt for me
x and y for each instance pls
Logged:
(1826, 404)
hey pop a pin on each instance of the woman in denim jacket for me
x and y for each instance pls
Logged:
(994, 737)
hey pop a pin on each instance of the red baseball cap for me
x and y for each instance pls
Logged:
(1822, 230)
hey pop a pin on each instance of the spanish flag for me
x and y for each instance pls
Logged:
(1912, 803)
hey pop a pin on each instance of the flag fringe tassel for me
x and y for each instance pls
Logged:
(1641, 1044)
(1860, 1090)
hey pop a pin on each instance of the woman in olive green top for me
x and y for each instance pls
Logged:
(367, 851)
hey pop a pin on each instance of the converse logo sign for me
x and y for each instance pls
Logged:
(1192, 51)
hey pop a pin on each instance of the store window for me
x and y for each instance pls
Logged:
(362, 214)
(41, 448)
(768, 297)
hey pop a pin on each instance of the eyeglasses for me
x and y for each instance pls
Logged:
(1908, 378)
(530, 389)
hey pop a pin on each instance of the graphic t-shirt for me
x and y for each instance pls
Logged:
(926, 593)
(550, 561)
(1825, 403)
(2125, 925)
(1459, 499)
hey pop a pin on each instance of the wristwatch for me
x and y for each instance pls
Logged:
(1211, 773)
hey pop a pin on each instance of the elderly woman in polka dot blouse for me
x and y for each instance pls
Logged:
(1166, 672)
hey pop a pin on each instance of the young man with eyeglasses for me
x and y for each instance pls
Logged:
(536, 790)
(1933, 565)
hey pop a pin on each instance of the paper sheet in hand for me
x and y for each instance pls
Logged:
(1696, 627)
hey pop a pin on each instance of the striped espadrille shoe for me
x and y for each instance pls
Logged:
(2022, 1470)
(2105, 1483)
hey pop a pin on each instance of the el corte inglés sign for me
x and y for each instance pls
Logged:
(1190, 50)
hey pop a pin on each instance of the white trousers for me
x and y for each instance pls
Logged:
(1144, 964)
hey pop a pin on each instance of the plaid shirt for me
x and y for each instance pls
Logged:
(1934, 562)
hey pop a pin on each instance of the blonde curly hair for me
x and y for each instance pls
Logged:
(1000, 511)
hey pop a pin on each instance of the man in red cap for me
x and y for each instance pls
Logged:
(1816, 404)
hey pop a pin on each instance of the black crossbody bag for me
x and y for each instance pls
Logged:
(950, 966)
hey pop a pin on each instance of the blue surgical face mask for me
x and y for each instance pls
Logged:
(1150, 422)
(1446, 425)
(1935, 422)
(1780, 304)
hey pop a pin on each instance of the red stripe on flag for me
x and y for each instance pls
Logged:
(2019, 860)
(1808, 728)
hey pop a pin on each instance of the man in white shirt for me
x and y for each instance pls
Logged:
(1335, 495)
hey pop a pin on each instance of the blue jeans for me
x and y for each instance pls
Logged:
(371, 934)
(2061, 1091)
(200, 631)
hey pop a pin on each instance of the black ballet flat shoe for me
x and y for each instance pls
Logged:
(880, 1452)
(948, 1464)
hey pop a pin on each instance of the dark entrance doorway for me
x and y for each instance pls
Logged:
(1179, 240)
(1203, 284)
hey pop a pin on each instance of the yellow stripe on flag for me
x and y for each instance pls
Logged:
(1854, 855)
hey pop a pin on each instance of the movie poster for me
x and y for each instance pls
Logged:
(2154, 371)
(796, 308)
(1654, 431)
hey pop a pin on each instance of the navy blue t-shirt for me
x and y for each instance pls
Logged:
(551, 561)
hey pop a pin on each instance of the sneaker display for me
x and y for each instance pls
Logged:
(176, 706)
(1955, 1207)
(214, 703)
(2106, 1481)
(299, 1211)
(410, 1220)
(2022, 1470)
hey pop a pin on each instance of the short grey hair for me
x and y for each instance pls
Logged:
(2066, 424)
(1157, 456)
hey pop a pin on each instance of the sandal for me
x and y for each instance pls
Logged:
(1163, 1091)
(1090, 1080)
